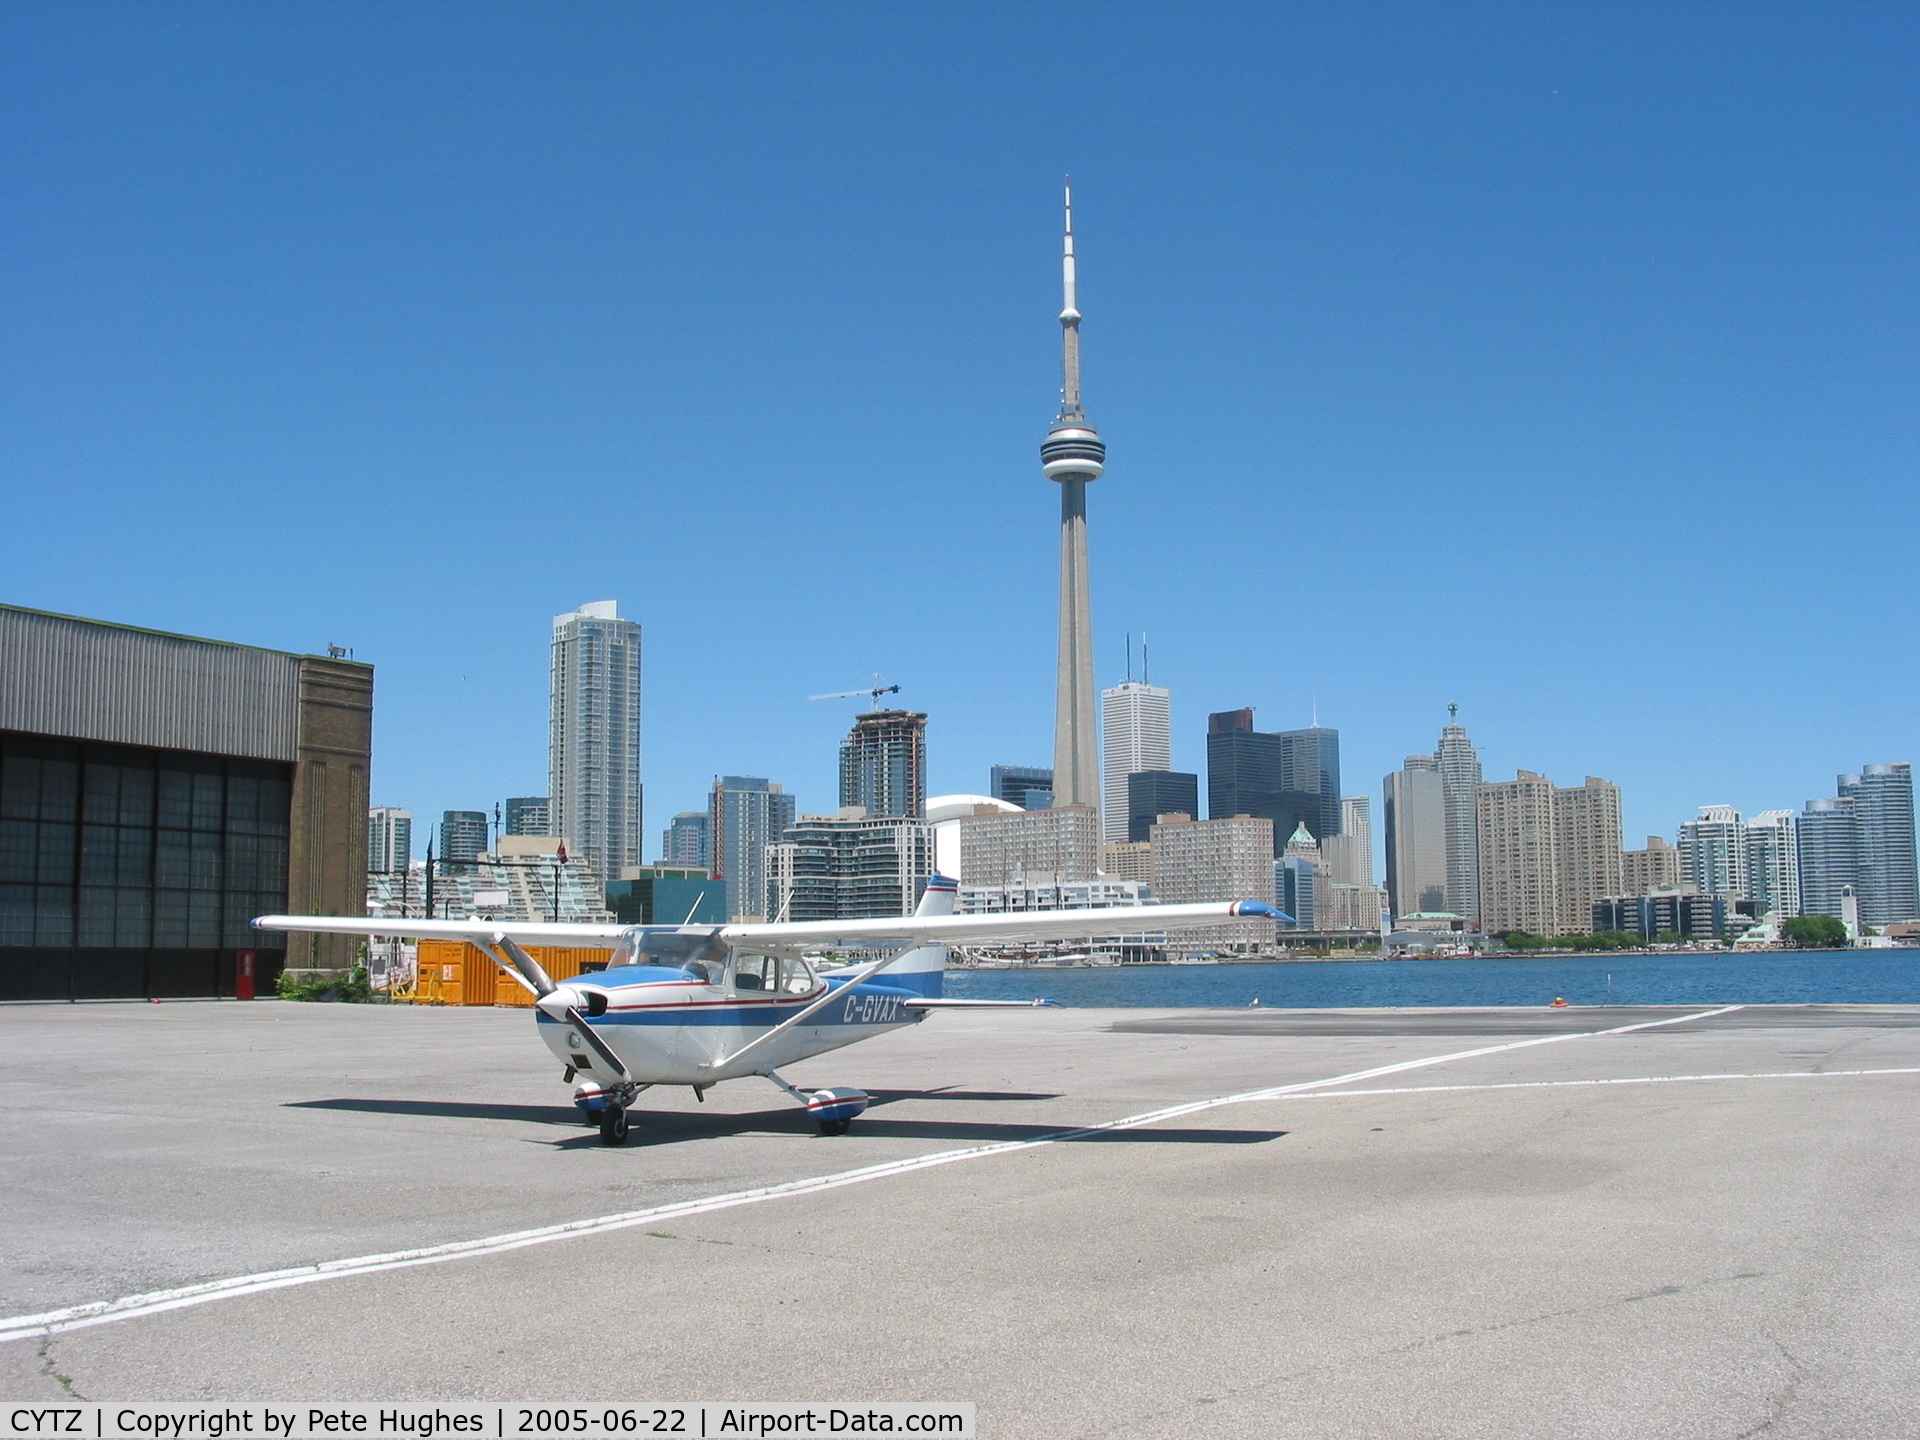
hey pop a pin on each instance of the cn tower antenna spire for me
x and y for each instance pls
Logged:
(1071, 455)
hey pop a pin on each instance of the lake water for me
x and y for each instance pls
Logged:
(1839, 977)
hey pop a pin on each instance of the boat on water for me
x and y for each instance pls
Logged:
(1195, 960)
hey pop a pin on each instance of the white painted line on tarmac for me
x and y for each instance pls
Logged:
(1622, 1080)
(104, 1312)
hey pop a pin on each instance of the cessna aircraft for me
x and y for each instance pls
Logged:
(697, 1004)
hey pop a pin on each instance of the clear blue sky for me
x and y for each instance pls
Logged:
(1556, 359)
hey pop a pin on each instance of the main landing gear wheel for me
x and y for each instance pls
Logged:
(835, 1127)
(613, 1125)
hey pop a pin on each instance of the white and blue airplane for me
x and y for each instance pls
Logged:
(697, 1004)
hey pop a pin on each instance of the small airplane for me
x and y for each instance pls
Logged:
(697, 1004)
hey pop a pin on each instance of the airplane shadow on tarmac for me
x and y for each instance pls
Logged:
(666, 1127)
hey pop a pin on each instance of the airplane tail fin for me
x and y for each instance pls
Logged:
(923, 969)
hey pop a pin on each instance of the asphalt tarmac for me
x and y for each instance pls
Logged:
(1522, 1228)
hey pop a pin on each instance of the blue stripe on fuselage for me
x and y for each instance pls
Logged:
(864, 1005)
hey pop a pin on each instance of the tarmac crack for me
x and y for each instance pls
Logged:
(1413, 1347)
(65, 1382)
(1782, 1399)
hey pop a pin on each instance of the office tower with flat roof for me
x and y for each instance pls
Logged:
(1310, 763)
(1459, 766)
(1516, 824)
(1249, 773)
(1213, 860)
(1153, 793)
(1073, 456)
(1587, 850)
(1657, 867)
(849, 866)
(529, 815)
(389, 840)
(1887, 885)
(1713, 852)
(1827, 836)
(1021, 846)
(1131, 861)
(1414, 815)
(688, 840)
(593, 748)
(1349, 854)
(1773, 863)
(1028, 786)
(463, 836)
(748, 813)
(1136, 737)
(883, 763)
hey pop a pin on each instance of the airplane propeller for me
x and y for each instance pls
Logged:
(564, 1002)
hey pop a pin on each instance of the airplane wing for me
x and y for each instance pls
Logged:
(799, 936)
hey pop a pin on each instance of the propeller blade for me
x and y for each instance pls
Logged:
(600, 1048)
(529, 968)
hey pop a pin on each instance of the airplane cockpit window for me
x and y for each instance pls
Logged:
(756, 972)
(705, 971)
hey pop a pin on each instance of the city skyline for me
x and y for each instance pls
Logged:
(1474, 297)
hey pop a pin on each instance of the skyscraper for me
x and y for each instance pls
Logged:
(529, 815)
(1288, 777)
(883, 763)
(1773, 862)
(389, 839)
(463, 836)
(1459, 765)
(1587, 864)
(1136, 735)
(593, 747)
(1153, 793)
(849, 866)
(1657, 867)
(1296, 880)
(1882, 798)
(1349, 854)
(1227, 859)
(1028, 786)
(748, 814)
(1073, 454)
(1415, 817)
(1827, 833)
(1515, 820)
(1713, 852)
(688, 840)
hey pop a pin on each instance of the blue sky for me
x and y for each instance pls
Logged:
(1556, 360)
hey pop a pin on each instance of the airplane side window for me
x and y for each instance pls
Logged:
(798, 977)
(755, 972)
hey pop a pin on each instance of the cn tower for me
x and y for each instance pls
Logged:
(1071, 455)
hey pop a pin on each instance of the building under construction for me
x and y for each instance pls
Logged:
(883, 764)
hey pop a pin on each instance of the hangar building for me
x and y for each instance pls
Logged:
(156, 793)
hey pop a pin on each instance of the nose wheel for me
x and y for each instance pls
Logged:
(613, 1125)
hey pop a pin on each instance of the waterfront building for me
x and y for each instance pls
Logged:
(1062, 843)
(849, 866)
(667, 895)
(1131, 861)
(1273, 776)
(1073, 456)
(1104, 893)
(1713, 852)
(158, 792)
(883, 763)
(747, 814)
(1657, 867)
(1459, 766)
(1137, 737)
(1359, 908)
(1773, 863)
(593, 736)
(463, 836)
(1886, 883)
(1415, 818)
(1586, 849)
(1827, 835)
(1675, 912)
(1230, 858)
(1516, 826)
(389, 839)
(1153, 793)
(1028, 786)
(688, 840)
(529, 815)
(1349, 852)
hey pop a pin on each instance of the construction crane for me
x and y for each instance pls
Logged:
(875, 692)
